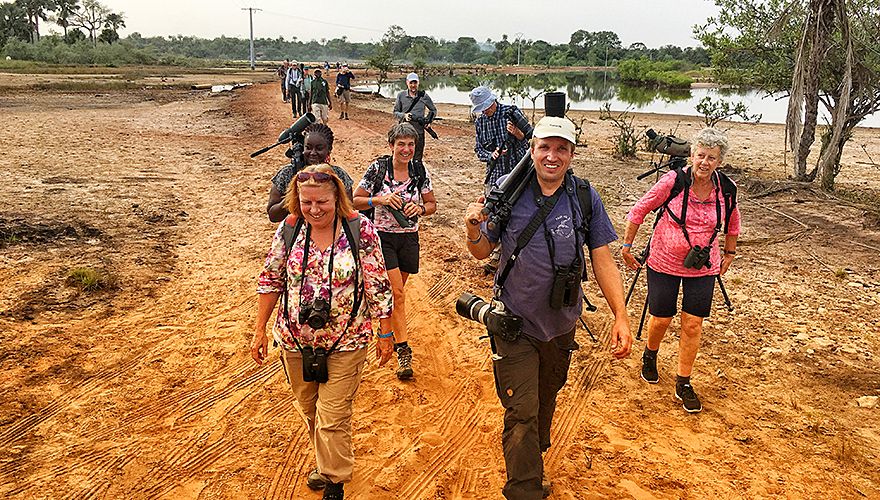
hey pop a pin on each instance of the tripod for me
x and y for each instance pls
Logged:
(643, 258)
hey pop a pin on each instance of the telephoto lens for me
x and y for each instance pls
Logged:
(472, 307)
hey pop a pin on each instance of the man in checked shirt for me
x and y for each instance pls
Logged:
(503, 134)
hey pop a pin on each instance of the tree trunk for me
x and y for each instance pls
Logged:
(829, 162)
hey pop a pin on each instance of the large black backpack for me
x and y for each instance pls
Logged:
(416, 169)
(683, 181)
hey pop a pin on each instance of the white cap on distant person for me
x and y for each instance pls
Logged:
(554, 126)
(481, 98)
(412, 77)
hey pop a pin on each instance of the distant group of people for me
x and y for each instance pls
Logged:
(310, 92)
(340, 259)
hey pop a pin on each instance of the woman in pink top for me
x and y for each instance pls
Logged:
(692, 220)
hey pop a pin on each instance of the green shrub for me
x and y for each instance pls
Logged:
(88, 279)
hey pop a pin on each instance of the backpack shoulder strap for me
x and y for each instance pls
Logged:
(585, 200)
(291, 229)
(352, 228)
(418, 174)
(728, 192)
(384, 163)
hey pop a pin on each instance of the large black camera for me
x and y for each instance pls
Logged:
(697, 257)
(316, 314)
(498, 321)
(293, 135)
(314, 362)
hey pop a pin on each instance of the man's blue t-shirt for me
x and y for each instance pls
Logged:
(344, 80)
(527, 289)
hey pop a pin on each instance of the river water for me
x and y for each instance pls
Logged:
(591, 90)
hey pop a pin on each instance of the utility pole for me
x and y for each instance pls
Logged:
(518, 46)
(251, 16)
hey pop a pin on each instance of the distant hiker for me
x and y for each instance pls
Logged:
(343, 90)
(307, 90)
(410, 107)
(315, 150)
(539, 282)
(697, 204)
(325, 264)
(320, 98)
(282, 75)
(294, 87)
(399, 189)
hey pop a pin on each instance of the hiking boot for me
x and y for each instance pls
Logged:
(346, 116)
(689, 400)
(546, 486)
(404, 363)
(333, 491)
(341, 116)
(316, 481)
(649, 369)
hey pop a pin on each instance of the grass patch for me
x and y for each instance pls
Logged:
(841, 273)
(89, 279)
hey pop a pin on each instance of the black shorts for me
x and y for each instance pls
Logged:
(696, 296)
(401, 250)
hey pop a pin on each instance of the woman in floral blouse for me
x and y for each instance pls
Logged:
(318, 320)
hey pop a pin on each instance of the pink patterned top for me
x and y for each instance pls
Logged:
(377, 301)
(668, 245)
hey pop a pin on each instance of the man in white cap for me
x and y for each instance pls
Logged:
(410, 107)
(539, 281)
(502, 134)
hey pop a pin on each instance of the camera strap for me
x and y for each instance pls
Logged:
(546, 206)
(416, 99)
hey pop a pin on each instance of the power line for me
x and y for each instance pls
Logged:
(324, 22)
(251, 17)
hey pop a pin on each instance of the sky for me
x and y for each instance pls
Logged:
(652, 22)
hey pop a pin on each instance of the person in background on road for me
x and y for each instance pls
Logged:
(282, 75)
(320, 98)
(307, 91)
(672, 241)
(531, 364)
(410, 107)
(343, 90)
(388, 184)
(499, 141)
(317, 146)
(322, 264)
(294, 87)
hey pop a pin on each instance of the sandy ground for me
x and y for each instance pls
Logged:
(147, 390)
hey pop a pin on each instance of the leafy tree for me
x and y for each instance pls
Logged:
(382, 61)
(817, 51)
(64, 11)
(91, 18)
(112, 23)
(465, 49)
(396, 41)
(715, 111)
(36, 10)
(14, 23)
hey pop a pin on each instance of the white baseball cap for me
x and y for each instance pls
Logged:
(554, 126)
(412, 77)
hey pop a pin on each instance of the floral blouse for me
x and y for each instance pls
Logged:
(383, 219)
(376, 303)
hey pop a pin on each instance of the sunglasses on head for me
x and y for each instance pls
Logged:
(318, 176)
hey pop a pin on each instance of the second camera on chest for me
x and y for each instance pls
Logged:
(316, 314)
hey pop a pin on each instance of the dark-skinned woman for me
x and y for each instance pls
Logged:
(330, 299)
(317, 146)
(675, 263)
(389, 187)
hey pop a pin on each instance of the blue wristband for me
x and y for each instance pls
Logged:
(385, 335)
(627, 245)
(370, 202)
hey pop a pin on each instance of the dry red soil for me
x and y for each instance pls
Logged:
(147, 389)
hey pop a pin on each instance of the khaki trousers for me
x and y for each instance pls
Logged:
(326, 408)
